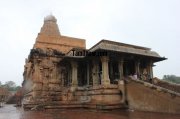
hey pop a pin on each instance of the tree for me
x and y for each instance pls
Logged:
(10, 85)
(172, 78)
(17, 88)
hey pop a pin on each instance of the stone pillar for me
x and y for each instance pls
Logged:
(121, 83)
(95, 70)
(121, 86)
(137, 63)
(105, 71)
(150, 69)
(120, 67)
(74, 73)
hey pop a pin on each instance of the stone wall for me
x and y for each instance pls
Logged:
(97, 97)
(147, 97)
(60, 43)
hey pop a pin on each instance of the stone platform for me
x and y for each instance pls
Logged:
(96, 97)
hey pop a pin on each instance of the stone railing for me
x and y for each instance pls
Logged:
(167, 85)
(154, 86)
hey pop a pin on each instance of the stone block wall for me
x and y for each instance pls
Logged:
(145, 97)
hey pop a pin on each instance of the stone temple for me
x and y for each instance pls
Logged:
(61, 73)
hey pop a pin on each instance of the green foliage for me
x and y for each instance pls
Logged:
(172, 78)
(10, 85)
(17, 88)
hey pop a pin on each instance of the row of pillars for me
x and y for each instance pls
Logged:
(149, 68)
(105, 71)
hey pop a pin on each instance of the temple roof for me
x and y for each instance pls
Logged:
(124, 48)
(50, 37)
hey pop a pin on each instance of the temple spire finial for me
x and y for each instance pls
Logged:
(50, 26)
(50, 18)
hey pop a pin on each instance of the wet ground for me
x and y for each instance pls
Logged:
(11, 112)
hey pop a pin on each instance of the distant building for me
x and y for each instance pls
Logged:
(61, 73)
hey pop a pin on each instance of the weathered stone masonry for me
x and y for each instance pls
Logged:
(54, 77)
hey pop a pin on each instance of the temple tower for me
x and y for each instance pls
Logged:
(50, 27)
(50, 37)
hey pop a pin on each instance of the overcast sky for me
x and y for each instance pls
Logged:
(150, 23)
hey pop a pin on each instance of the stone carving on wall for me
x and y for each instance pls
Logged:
(47, 68)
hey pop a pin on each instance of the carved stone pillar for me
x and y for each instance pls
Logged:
(105, 71)
(137, 63)
(150, 69)
(120, 67)
(121, 87)
(121, 84)
(95, 71)
(74, 73)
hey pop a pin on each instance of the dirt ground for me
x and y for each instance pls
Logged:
(11, 112)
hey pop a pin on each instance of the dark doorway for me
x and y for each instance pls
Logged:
(113, 72)
(129, 67)
(82, 74)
